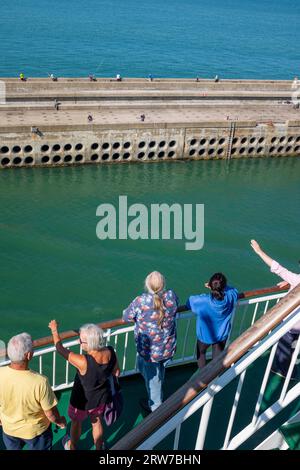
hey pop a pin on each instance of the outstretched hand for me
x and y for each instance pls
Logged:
(53, 325)
(255, 246)
(283, 284)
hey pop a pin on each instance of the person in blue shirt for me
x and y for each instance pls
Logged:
(214, 313)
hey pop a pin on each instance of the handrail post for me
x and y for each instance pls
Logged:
(203, 425)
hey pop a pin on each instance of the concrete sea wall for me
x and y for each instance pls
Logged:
(28, 139)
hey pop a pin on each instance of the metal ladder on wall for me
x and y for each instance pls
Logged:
(230, 140)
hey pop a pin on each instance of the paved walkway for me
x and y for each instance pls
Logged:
(131, 115)
(111, 104)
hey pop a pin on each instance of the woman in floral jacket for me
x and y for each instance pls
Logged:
(154, 314)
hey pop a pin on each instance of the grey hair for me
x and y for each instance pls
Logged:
(18, 346)
(94, 336)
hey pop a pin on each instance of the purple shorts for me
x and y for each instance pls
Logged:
(80, 415)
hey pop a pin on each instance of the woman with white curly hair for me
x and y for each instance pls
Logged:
(91, 391)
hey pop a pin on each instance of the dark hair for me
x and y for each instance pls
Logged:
(217, 284)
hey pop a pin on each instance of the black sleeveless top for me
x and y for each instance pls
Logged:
(93, 389)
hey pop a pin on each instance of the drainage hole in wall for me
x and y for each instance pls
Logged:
(4, 149)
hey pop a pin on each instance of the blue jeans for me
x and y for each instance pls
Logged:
(41, 442)
(154, 374)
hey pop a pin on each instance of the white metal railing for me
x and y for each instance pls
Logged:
(205, 400)
(122, 339)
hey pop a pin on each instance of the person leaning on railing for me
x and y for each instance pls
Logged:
(286, 344)
(154, 315)
(213, 316)
(91, 391)
(27, 402)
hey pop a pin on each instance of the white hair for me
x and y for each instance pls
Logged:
(94, 336)
(18, 346)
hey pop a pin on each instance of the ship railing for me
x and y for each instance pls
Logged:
(198, 397)
(252, 305)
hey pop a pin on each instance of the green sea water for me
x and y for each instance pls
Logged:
(52, 265)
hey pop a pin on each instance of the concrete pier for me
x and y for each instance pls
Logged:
(183, 120)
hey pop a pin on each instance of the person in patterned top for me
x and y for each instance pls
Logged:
(154, 314)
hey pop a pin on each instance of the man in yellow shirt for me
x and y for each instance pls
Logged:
(27, 402)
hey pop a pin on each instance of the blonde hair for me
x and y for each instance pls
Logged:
(155, 284)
